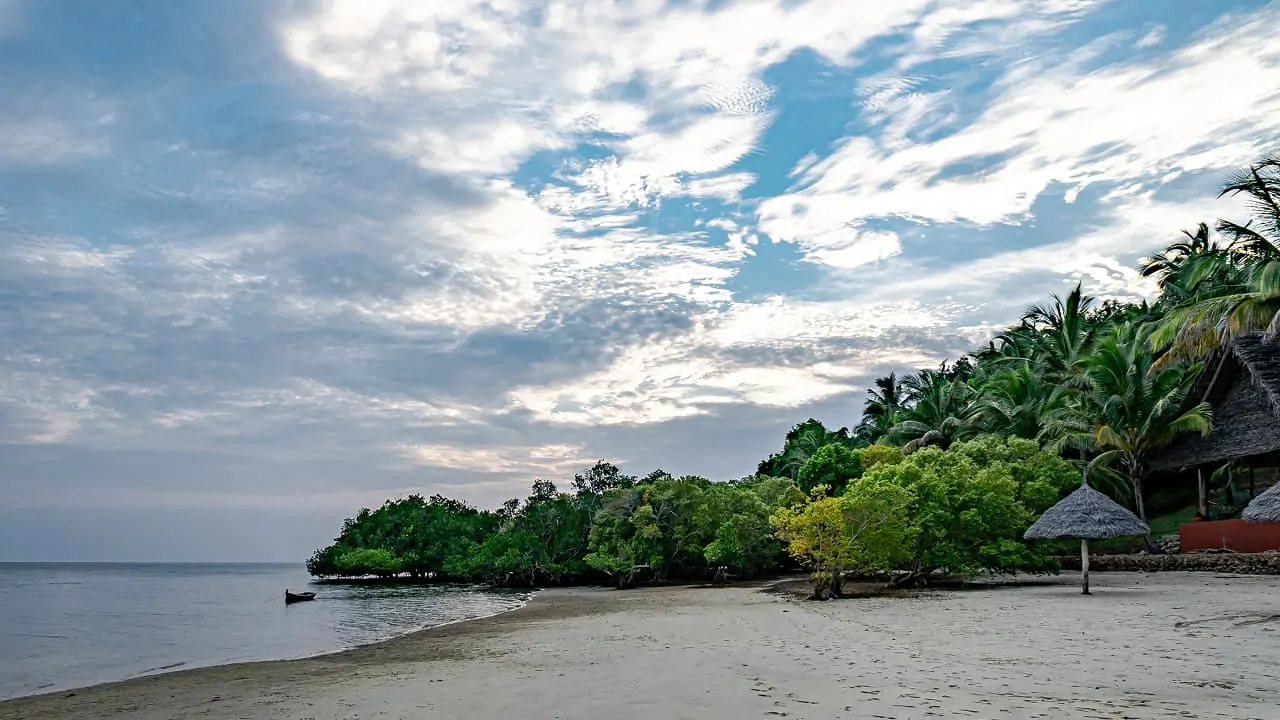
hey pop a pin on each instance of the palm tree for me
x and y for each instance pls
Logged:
(883, 406)
(1231, 291)
(1261, 184)
(805, 440)
(1009, 348)
(941, 411)
(1016, 401)
(1065, 334)
(1178, 256)
(1129, 408)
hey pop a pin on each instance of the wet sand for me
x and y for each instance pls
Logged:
(1166, 645)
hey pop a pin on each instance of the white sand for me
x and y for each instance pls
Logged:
(1031, 652)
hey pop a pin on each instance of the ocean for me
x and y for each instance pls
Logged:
(66, 625)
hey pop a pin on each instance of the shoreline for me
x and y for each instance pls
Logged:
(182, 668)
(563, 603)
(1163, 645)
(199, 665)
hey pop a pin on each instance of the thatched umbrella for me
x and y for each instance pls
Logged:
(1265, 507)
(1086, 514)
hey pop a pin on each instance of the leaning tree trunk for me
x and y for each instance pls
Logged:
(823, 583)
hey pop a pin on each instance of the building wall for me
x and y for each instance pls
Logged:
(1236, 535)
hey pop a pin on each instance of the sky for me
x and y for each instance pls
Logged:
(264, 262)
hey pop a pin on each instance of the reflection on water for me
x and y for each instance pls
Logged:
(68, 625)
(364, 613)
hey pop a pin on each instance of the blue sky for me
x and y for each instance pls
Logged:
(264, 262)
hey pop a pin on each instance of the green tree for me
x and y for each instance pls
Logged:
(971, 504)
(1016, 401)
(864, 531)
(942, 411)
(369, 561)
(1065, 335)
(542, 541)
(801, 442)
(871, 456)
(1129, 409)
(885, 402)
(833, 466)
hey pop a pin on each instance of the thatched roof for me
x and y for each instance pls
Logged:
(1245, 395)
(1265, 507)
(1086, 514)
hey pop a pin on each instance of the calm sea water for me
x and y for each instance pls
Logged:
(70, 625)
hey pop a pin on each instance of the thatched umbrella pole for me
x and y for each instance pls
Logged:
(1084, 566)
(1085, 515)
(1084, 542)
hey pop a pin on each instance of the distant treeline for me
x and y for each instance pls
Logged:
(607, 526)
(866, 510)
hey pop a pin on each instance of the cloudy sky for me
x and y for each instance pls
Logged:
(263, 262)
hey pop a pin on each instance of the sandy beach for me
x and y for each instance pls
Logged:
(1170, 645)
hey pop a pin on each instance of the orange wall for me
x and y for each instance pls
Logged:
(1236, 535)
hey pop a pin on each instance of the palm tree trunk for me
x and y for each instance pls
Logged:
(1202, 494)
(1139, 504)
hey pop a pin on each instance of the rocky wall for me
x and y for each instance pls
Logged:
(1267, 563)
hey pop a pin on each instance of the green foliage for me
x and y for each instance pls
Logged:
(864, 531)
(775, 492)
(743, 541)
(960, 511)
(832, 465)
(1040, 476)
(1129, 408)
(943, 408)
(610, 524)
(542, 541)
(421, 534)
(870, 457)
(625, 536)
(369, 561)
(679, 525)
(971, 504)
(801, 442)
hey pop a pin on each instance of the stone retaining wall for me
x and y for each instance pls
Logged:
(1267, 563)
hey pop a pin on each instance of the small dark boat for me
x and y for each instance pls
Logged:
(291, 598)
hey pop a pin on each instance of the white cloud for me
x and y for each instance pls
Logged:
(685, 376)
(47, 142)
(42, 406)
(525, 87)
(1128, 122)
(65, 256)
(1154, 36)
(545, 460)
(1102, 257)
